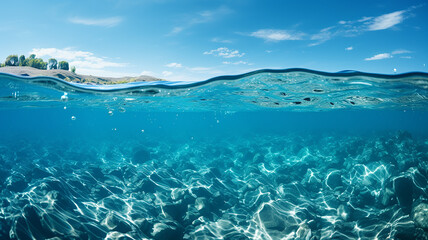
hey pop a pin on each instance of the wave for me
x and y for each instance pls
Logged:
(261, 88)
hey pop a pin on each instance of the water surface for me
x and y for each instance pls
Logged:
(272, 154)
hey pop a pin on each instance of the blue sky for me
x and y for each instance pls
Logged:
(196, 40)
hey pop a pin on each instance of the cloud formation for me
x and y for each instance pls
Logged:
(357, 27)
(147, 73)
(166, 73)
(350, 48)
(386, 21)
(100, 22)
(379, 57)
(225, 53)
(342, 28)
(79, 59)
(277, 35)
(389, 55)
(174, 65)
(400, 51)
(236, 63)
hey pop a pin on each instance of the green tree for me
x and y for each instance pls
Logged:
(73, 69)
(37, 63)
(63, 65)
(22, 60)
(11, 60)
(32, 56)
(52, 63)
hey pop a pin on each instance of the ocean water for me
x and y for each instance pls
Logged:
(271, 154)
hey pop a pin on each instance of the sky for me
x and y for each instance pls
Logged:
(195, 40)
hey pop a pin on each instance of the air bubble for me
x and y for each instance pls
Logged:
(73, 118)
(110, 113)
(64, 97)
(142, 130)
(122, 110)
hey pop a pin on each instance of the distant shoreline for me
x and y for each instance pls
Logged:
(73, 77)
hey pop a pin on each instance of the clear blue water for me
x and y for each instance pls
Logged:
(289, 154)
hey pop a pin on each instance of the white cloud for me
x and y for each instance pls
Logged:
(349, 48)
(277, 35)
(101, 22)
(354, 28)
(200, 69)
(147, 73)
(401, 51)
(166, 73)
(386, 21)
(379, 57)
(364, 19)
(224, 52)
(390, 55)
(324, 35)
(236, 63)
(174, 65)
(79, 59)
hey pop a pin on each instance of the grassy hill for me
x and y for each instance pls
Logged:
(73, 77)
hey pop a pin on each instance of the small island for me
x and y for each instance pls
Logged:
(32, 67)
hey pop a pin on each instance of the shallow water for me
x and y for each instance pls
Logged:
(293, 154)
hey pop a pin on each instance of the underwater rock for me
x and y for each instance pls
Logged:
(169, 230)
(387, 197)
(115, 223)
(403, 187)
(270, 218)
(34, 222)
(176, 210)
(141, 156)
(334, 180)
(420, 215)
(146, 185)
(177, 194)
(201, 192)
(303, 232)
(405, 229)
(311, 181)
(16, 183)
(343, 212)
(99, 192)
(38, 173)
(144, 225)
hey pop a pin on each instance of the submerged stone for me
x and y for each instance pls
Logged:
(270, 218)
(403, 187)
(141, 156)
(334, 180)
(420, 215)
(16, 183)
(169, 230)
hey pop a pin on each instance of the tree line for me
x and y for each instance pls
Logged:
(32, 61)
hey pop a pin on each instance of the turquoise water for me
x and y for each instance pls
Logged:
(272, 154)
